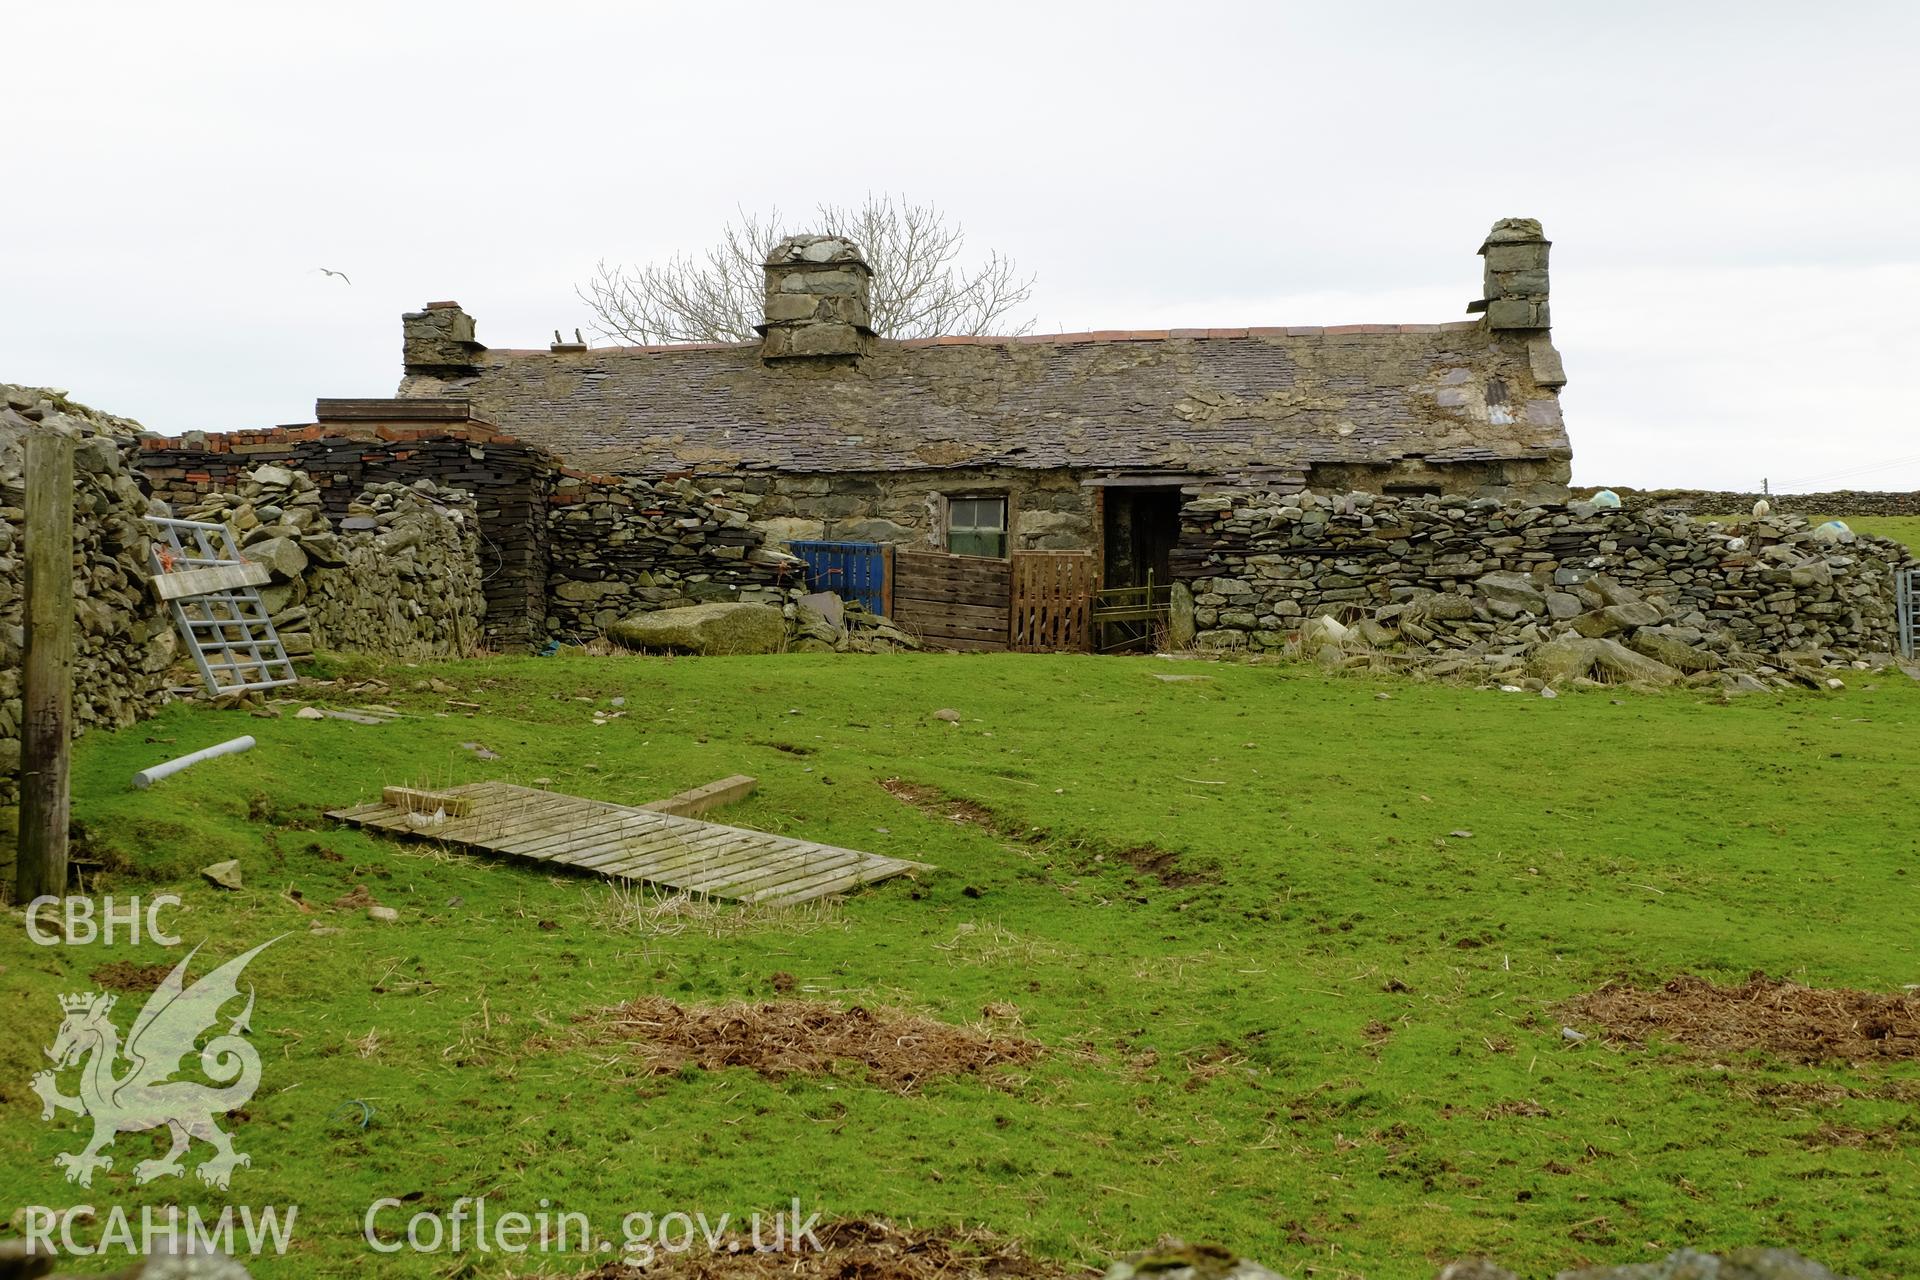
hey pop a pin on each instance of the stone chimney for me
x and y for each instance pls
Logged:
(438, 340)
(1516, 276)
(817, 300)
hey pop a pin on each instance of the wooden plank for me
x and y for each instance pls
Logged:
(964, 630)
(718, 866)
(784, 866)
(949, 607)
(47, 666)
(215, 577)
(692, 803)
(813, 887)
(501, 824)
(412, 801)
(562, 842)
(687, 849)
(634, 843)
(964, 645)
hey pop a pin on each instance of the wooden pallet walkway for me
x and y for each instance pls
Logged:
(631, 843)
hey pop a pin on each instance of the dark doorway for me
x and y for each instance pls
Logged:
(1142, 526)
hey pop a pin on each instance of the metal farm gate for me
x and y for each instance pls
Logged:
(1906, 597)
(214, 594)
(1052, 605)
(855, 571)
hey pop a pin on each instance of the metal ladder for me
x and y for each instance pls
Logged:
(227, 629)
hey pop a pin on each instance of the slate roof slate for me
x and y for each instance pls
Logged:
(1196, 400)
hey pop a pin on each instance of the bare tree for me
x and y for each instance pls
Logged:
(921, 287)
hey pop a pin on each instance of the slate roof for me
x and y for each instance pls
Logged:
(1201, 400)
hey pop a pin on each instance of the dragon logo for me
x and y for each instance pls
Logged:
(141, 1095)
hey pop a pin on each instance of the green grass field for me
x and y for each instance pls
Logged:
(1333, 1044)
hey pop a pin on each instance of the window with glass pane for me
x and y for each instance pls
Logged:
(977, 526)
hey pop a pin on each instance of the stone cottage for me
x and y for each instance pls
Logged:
(984, 445)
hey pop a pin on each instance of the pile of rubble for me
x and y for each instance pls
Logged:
(824, 623)
(123, 640)
(400, 575)
(1534, 596)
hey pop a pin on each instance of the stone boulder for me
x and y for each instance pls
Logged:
(281, 555)
(1614, 618)
(710, 629)
(1665, 647)
(1735, 1264)
(1176, 1260)
(1571, 657)
(1515, 590)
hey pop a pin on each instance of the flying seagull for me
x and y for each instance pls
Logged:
(326, 272)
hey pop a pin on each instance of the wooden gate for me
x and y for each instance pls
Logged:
(1052, 601)
(952, 602)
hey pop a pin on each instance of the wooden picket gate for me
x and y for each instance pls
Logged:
(1052, 605)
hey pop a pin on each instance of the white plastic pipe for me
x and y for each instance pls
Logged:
(147, 777)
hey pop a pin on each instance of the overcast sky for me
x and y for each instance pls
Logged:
(1733, 190)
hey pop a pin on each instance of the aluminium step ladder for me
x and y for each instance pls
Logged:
(214, 594)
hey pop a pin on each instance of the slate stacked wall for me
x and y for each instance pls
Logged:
(510, 483)
(123, 642)
(621, 546)
(1261, 566)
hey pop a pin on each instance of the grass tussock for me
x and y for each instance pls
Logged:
(1784, 1019)
(857, 1249)
(781, 1038)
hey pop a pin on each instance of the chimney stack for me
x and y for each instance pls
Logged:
(817, 306)
(1516, 276)
(438, 339)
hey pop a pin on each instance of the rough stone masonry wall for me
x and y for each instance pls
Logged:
(509, 481)
(400, 577)
(123, 641)
(1047, 510)
(625, 546)
(1260, 567)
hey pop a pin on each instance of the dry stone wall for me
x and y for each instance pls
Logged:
(509, 482)
(1721, 502)
(123, 641)
(400, 575)
(624, 546)
(1489, 586)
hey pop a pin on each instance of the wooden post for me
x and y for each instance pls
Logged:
(47, 681)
